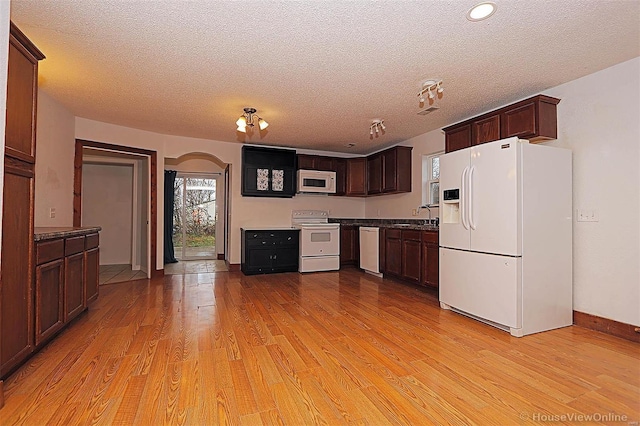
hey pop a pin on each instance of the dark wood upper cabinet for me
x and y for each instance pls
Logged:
(268, 172)
(356, 177)
(534, 119)
(316, 162)
(457, 137)
(485, 130)
(374, 174)
(341, 176)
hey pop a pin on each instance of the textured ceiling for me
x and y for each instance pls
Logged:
(317, 71)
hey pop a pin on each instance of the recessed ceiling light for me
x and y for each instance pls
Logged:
(481, 11)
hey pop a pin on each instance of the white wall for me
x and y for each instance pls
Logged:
(245, 211)
(107, 201)
(4, 61)
(598, 119)
(55, 150)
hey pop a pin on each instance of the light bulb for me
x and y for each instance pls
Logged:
(421, 98)
(371, 131)
(242, 129)
(439, 89)
(262, 124)
(242, 121)
(431, 96)
(382, 125)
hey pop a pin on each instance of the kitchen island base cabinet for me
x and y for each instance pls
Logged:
(270, 251)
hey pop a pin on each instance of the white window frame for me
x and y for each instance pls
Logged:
(428, 179)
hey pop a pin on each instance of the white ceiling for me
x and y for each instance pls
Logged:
(317, 71)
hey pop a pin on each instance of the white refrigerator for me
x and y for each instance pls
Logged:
(506, 236)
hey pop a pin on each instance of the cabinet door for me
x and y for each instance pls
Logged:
(347, 242)
(91, 275)
(21, 98)
(393, 250)
(306, 162)
(390, 171)
(520, 121)
(374, 174)
(458, 137)
(430, 265)
(356, 176)
(324, 163)
(486, 130)
(411, 257)
(259, 259)
(285, 259)
(16, 295)
(341, 176)
(73, 286)
(49, 299)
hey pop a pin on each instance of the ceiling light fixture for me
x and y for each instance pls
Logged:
(482, 11)
(378, 127)
(248, 120)
(428, 87)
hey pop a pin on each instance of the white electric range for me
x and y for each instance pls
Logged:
(319, 240)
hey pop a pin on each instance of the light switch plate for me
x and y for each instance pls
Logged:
(587, 215)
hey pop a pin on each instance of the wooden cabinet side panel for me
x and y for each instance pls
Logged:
(91, 275)
(16, 304)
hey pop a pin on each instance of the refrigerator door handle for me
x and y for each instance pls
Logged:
(472, 222)
(463, 198)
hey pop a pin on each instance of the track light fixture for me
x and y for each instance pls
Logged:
(248, 120)
(378, 127)
(429, 87)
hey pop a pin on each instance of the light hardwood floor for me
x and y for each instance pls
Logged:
(324, 348)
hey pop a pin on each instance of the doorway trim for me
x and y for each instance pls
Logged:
(153, 187)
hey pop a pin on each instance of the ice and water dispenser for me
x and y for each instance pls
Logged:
(451, 206)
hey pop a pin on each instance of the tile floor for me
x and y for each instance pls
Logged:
(110, 274)
(195, 267)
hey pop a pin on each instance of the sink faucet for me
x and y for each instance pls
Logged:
(426, 206)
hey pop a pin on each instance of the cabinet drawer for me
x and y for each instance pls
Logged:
(430, 236)
(73, 245)
(47, 251)
(92, 241)
(393, 233)
(411, 235)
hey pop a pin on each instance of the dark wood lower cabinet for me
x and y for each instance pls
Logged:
(349, 245)
(412, 255)
(393, 250)
(430, 259)
(49, 299)
(63, 271)
(411, 259)
(74, 286)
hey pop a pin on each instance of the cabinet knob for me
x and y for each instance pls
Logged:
(264, 242)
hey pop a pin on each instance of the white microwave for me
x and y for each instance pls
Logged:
(316, 181)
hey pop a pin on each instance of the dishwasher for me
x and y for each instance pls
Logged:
(370, 250)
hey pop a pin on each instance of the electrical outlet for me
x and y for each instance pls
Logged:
(584, 215)
(52, 212)
(414, 212)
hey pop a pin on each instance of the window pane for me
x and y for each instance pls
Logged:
(435, 168)
(435, 192)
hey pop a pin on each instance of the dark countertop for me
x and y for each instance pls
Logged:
(50, 233)
(413, 224)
